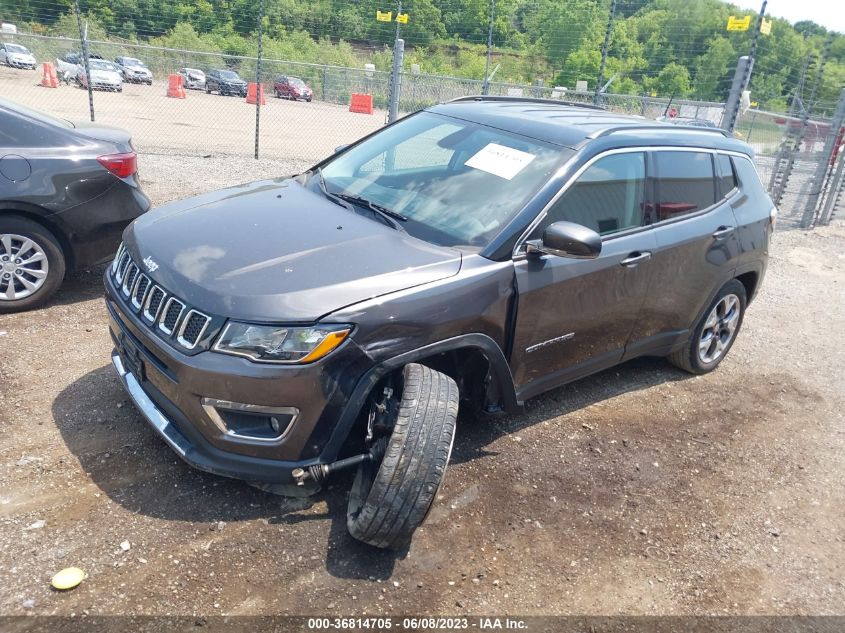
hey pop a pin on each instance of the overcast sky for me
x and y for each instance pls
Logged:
(828, 13)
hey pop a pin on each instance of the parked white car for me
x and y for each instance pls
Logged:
(104, 75)
(192, 78)
(134, 70)
(16, 56)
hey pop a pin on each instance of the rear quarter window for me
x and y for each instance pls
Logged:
(685, 183)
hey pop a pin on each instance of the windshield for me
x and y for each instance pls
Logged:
(99, 64)
(15, 48)
(228, 74)
(296, 82)
(131, 61)
(456, 182)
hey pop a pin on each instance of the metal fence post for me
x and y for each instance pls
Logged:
(824, 169)
(485, 87)
(604, 49)
(834, 192)
(258, 90)
(396, 80)
(84, 40)
(740, 80)
(732, 107)
(836, 198)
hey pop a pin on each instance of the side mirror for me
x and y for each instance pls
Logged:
(566, 239)
(340, 148)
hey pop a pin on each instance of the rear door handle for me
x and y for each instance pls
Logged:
(722, 232)
(635, 259)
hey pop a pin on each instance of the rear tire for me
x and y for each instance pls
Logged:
(389, 501)
(719, 324)
(45, 244)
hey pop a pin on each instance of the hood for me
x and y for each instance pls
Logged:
(104, 75)
(275, 251)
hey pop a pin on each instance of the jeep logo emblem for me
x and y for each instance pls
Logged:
(150, 264)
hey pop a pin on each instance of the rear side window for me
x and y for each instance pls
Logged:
(748, 177)
(727, 179)
(607, 197)
(685, 183)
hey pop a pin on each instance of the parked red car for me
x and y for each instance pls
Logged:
(292, 88)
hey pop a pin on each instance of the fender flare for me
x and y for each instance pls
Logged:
(478, 342)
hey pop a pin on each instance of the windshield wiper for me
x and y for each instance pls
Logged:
(334, 198)
(344, 199)
(389, 215)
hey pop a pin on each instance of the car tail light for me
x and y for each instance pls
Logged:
(121, 165)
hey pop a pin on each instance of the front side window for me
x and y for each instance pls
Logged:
(685, 183)
(607, 197)
(455, 182)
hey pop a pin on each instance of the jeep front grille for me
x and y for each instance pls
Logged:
(167, 314)
(153, 305)
(170, 317)
(129, 279)
(140, 291)
(193, 327)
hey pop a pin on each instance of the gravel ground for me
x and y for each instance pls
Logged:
(641, 490)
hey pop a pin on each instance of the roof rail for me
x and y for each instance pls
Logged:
(663, 127)
(576, 104)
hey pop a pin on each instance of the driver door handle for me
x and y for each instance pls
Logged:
(636, 258)
(722, 232)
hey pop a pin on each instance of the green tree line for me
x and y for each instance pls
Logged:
(675, 48)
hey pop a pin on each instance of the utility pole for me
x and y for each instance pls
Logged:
(83, 37)
(396, 73)
(745, 78)
(258, 91)
(604, 49)
(485, 87)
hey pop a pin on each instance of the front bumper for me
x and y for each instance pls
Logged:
(22, 64)
(190, 446)
(171, 386)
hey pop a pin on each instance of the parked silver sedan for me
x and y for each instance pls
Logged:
(192, 78)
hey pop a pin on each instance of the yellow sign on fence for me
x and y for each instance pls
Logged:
(766, 26)
(739, 24)
(402, 18)
(384, 16)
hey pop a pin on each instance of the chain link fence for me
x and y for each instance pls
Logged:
(790, 147)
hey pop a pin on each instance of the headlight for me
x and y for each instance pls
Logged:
(280, 344)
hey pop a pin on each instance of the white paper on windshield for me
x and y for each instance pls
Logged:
(499, 160)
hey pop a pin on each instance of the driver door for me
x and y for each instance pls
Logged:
(575, 316)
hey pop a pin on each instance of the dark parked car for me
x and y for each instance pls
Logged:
(487, 250)
(292, 88)
(66, 194)
(225, 82)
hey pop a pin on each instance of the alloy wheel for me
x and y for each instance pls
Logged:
(719, 329)
(23, 267)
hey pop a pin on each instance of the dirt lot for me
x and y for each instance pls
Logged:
(639, 491)
(201, 124)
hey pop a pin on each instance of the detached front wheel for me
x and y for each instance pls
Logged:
(390, 500)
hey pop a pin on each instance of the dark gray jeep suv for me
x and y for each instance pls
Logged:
(485, 250)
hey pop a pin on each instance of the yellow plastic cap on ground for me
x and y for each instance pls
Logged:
(68, 578)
